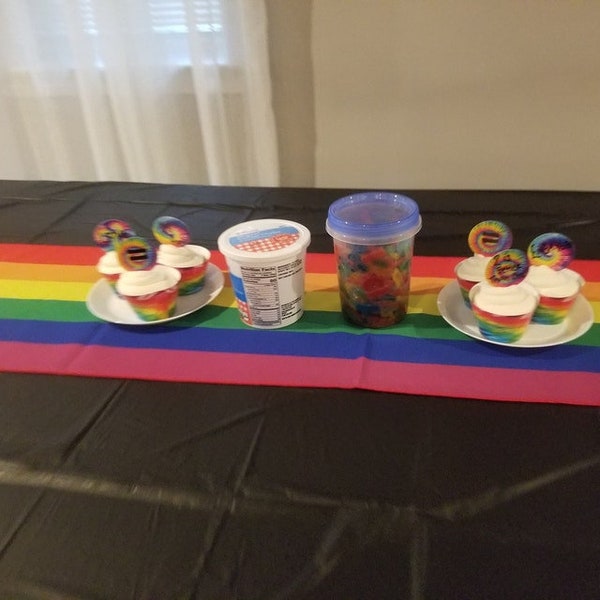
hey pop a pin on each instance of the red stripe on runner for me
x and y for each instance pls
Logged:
(50, 255)
(320, 263)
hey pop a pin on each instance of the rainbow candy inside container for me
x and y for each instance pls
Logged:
(373, 235)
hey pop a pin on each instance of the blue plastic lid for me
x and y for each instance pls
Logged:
(373, 218)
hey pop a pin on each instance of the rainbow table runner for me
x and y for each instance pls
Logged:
(45, 327)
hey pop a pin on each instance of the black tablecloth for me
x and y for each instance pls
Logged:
(114, 489)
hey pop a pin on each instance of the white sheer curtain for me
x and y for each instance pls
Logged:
(172, 91)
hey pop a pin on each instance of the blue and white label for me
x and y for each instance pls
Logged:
(266, 240)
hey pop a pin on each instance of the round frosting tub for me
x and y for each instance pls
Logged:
(266, 262)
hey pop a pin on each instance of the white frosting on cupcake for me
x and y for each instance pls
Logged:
(506, 301)
(472, 268)
(109, 264)
(139, 283)
(182, 256)
(554, 284)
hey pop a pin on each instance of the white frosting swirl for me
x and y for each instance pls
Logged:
(472, 268)
(182, 256)
(506, 301)
(109, 264)
(139, 283)
(554, 284)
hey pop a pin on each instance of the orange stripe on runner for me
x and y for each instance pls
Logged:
(422, 266)
(48, 272)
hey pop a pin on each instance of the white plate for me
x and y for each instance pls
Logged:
(580, 318)
(106, 305)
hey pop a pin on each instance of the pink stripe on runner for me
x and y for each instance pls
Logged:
(178, 365)
(485, 383)
(244, 369)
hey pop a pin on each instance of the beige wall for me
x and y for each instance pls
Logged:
(439, 93)
(289, 37)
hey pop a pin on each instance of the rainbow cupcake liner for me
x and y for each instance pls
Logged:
(192, 279)
(553, 311)
(465, 287)
(111, 279)
(154, 307)
(501, 328)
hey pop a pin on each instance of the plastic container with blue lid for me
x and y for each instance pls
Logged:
(373, 218)
(373, 237)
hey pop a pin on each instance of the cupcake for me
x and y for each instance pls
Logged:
(110, 268)
(106, 235)
(503, 304)
(549, 255)
(149, 288)
(174, 251)
(485, 239)
(469, 272)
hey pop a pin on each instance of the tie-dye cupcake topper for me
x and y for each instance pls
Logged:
(553, 250)
(507, 267)
(136, 254)
(170, 230)
(108, 232)
(489, 237)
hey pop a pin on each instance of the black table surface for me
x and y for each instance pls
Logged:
(120, 489)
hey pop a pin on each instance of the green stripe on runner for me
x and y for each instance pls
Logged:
(416, 325)
(45, 310)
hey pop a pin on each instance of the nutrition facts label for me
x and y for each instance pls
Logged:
(272, 292)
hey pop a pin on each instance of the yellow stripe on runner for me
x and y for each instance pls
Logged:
(320, 282)
(320, 295)
(20, 289)
(35, 272)
(596, 308)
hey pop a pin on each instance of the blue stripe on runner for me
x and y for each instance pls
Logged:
(291, 343)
